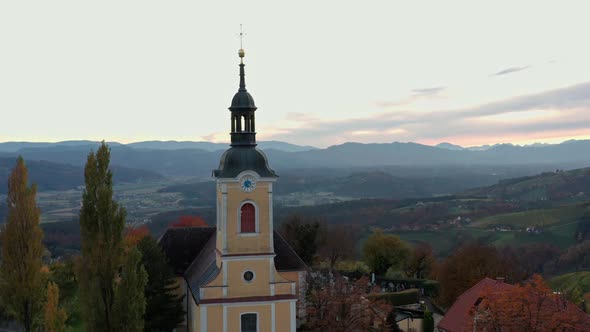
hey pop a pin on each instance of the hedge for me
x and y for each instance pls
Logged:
(431, 288)
(408, 296)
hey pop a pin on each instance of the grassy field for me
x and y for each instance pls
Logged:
(540, 217)
(571, 280)
(443, 242)
(568, 283)
(561, 235)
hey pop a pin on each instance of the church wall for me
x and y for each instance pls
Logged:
(283, 316)
(264, 312)
(259, 286)
(284, 287)
(215, 318)
(211, 292)
(290, 275)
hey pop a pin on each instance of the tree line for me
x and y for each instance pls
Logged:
(390, 258)
(120, 282)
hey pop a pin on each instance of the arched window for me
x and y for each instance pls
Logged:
(249, 322)
(248, 218)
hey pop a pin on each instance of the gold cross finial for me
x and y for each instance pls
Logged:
(241, 52)
(241, 37)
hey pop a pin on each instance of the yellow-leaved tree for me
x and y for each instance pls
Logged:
(55, 317)
(21, 277)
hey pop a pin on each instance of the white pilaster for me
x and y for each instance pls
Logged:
(272, 317)
(270, 218)
(203, 319)
(293, 317)
(224, 319)
(224, 217)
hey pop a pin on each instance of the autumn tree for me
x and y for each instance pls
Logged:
(532, 306)
(189, 221)
(164, 310)
(339, 243)
(55, 317)
(135, 234)
(576, 257)
(466, 267)
(21, 278)
(382, 251)
(421, 261)
(532, 258)
(338, 304)
(103, 256)
(304, 236)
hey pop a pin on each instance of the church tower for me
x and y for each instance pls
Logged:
(240, 275)
(244, 183)
(242, 290)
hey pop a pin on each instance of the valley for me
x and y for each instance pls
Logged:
(443, 205)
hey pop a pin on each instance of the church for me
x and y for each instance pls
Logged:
(240, 275)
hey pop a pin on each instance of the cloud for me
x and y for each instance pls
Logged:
(417, 94)
(563, 110)
(428, 91)
(510, 70)
(300, 117)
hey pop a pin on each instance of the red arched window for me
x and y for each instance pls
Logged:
(248, 218)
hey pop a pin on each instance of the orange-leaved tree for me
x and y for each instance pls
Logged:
(189, 221)
(421, 262)
(532, 306)
(466, 267)
(134, 234)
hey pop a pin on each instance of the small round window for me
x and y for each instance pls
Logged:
(248, 276)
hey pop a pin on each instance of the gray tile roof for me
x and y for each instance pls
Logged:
(184, 244)
(191, 253)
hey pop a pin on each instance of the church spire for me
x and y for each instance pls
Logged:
(241, 53)
(242, 111)
(243, 154)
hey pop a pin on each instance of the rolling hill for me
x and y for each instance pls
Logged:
(550, 186)
(55, 176)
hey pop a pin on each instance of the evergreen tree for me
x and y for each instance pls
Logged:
(55, 318)
(130, 302)
(101, 225)
(428, 323)
(21, 279)
(164, 310)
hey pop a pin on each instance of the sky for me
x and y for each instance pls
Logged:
(321, 72)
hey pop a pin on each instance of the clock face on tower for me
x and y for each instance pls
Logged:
(247, 183)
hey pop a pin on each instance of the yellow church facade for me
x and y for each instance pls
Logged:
(240, 275)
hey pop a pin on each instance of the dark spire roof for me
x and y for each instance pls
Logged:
(243, 158)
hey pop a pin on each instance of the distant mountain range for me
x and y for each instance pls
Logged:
(152, 145)
(185, 159)
(450, 146)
